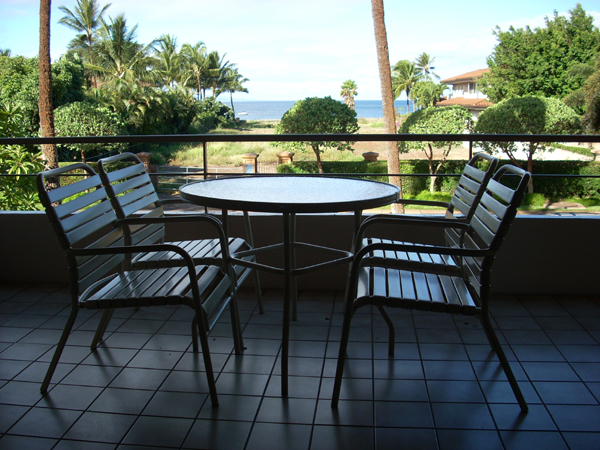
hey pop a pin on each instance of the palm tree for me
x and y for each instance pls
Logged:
(425, 64)
(405, 75)
(168, 62)
(119, 55)
(195, 63)
(234, 82)
(5, 52)
(216, 71)
(348, 92)
(387, 96)
(85, 19)
(45, 96)
(427, 93)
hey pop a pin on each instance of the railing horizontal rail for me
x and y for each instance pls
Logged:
(303, 138)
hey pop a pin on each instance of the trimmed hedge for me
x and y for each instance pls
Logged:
(550, 187)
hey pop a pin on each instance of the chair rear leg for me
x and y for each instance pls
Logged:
(59, 349)
(495, 343)
(102, 326)
(341, 357)
(391, 330)
(238, 340)
(210, 376)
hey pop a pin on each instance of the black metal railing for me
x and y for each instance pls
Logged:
(205, 139)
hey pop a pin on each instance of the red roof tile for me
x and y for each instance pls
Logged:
(469, 76)
(479, 103)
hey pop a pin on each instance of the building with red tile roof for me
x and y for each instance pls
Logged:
(465, 92)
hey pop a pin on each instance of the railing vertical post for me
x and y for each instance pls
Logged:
(205, 158)
(470, 150)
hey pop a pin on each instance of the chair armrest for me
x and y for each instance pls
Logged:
(385, 219)
(404, 201)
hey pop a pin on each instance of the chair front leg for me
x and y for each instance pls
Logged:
(102, 326)
(59, 349)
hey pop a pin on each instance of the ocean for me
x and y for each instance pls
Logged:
(269, 110)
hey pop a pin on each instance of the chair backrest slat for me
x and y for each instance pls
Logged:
(131, 192)
(64, 192)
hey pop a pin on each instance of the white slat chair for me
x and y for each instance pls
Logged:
(94, 243)
(133, 195)
(461, 207)
(397, 283)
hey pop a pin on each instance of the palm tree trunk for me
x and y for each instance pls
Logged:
(45, 96)
(387, 97)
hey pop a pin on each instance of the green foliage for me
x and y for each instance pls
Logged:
(19, 86)
(18, 192)
(85, 119)
(211, 114)
(526, 115)
(537, 62)
(319, 116)
(427, 93)
(536, 200)
(434, 120)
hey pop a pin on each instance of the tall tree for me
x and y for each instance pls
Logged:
(85, 19)
(433, 120)
(195, 63)
(234, 82)
(216, 71)
(424, 63)
(537, 62)
(316, 115)
(427, 93)
(526, 115)
(49, 152)
(405, 76)
(588, 97)
(168, 63)
(387, 96)
(348, 93)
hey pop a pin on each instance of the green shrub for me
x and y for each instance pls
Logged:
(536, 200)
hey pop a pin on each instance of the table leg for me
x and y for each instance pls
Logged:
(293, 260)
(287, 297)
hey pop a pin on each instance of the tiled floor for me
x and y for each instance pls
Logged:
(144, 388)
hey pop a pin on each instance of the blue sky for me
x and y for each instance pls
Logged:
(303, 48)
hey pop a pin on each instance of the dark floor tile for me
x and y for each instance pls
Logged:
(121, 401)
(9, 414)
(469, 440)
(97, 375)
(564, 393)
(400, 390)
(348, 412)
(126, 340)
(218, 434)
(182, 381)
(468, 416)
(398, 369)
(10, 369)
(538, 353)
(8, 442)
(194, 361)
(13, 334)
(101, 427)
(71, 354)
(139, 378)
(41, 336)
(409, 438)
(261, 347)
(25, 352)
(582, 441)
(403, 414)
(352, 389)
(275, 436)
(20, 393)
(65, 444)
(45, 422)
(541, 371)
(158, 431)
(287, 410)
(510, 417)
(175, 404)
(250, 364)
(298, 387)
(454, 391)
(448, 351)
(501, 392)
(449, 370)
(232, 407)
(581, 353)
(348, 438)
(576, 417)
(303, 367)
(525, 440)
(155, 359)
(587, 371)
(70, 397)
(353, 368)
(242, 383)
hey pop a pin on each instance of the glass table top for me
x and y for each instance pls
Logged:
(290, 193)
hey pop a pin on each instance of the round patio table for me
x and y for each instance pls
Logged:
(290, 195)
